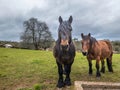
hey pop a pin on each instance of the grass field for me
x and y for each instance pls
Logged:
(30, 70)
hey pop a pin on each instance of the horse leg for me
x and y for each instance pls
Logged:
(60, 72)
(64, 72)
(67, 70)
(97, 67)
(109, 64)
(90, 67)
(103, 66)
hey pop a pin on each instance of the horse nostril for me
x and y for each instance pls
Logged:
(84, 53)
(65, 46)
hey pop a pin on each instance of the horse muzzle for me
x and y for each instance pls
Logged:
(65, 47)
(85, 53)
(64, 42)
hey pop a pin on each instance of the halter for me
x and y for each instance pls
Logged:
(91, 43)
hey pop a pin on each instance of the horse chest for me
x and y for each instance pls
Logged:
(65, 56)
(91, 56)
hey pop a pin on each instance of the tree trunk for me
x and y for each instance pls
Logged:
(36, 46)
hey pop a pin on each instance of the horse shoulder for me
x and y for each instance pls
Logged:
(97, 47)
(95, 52)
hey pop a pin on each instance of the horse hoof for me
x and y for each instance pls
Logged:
(98, 78)
(102, 71)
(110, 70)
(60, 84)
(90, 74)
(67, 87)
(98, 75)
(59, 88)
(67, 83)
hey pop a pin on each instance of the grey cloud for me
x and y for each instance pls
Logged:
(100, 18)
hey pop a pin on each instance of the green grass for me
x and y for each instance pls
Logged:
(30, 69)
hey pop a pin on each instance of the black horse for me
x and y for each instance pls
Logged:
(64, 52)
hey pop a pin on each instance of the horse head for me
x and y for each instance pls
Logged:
(64, 33)
(85, 43)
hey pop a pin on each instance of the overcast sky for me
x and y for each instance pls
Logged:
(101, 18)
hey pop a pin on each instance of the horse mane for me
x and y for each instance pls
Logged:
(70, 38)
(92, 42)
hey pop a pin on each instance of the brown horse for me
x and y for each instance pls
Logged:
(97, 50)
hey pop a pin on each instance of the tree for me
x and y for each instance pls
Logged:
(36, 32)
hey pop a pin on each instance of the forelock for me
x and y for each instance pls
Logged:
(86, 37)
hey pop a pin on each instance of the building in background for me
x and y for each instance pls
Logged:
(8, 46)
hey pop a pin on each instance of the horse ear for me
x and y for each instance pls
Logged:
(60, 19)
(89, 35)
(82, 35)
(70, 19)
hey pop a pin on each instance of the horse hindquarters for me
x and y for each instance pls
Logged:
(109, 59)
